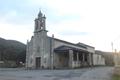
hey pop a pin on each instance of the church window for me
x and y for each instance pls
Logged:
(41, 24)
(41, 27)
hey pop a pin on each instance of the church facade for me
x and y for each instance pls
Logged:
(48, 52)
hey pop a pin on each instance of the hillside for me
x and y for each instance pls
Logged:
(11, 50)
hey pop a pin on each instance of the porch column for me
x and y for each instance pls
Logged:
(83, 59)
(83, 55)
(77, 59)
(89, 59)
(70, 58)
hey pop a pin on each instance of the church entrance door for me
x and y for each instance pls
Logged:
(38, 62)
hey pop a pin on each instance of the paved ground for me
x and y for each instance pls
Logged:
(100, 73)
(97, 74)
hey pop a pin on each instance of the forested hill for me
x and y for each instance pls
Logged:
(11, 50)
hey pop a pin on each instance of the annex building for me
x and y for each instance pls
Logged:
(48, 52)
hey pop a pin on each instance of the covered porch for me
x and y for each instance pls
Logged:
(69, 57)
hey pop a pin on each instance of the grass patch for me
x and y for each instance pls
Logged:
(115, 77)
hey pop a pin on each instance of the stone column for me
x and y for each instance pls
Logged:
(77, 59)
(83, 55)
(70, 58)
(89, 59)
(83, 61)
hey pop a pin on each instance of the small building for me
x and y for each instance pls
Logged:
(117, 59)
(98, 60)
(48, 52)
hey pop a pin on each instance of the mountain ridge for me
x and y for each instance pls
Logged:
(12, 50)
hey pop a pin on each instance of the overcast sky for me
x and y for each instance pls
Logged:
(94, 22)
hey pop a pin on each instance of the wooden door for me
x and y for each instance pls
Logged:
(38, 62)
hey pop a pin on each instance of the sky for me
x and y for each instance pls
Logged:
(93, 22)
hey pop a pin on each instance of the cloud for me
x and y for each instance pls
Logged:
(89, 21)
(15, 32)
(74, 33)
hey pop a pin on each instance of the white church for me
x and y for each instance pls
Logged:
(48, 52)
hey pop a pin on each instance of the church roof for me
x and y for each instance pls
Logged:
(40, 14)
(65, 48)
(82, 45)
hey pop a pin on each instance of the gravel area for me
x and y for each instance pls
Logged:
(103, 73)
(99, 73)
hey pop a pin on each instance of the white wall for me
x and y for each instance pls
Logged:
(98, 59)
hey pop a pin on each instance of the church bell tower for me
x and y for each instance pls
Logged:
(40, 22)
(40, 41)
